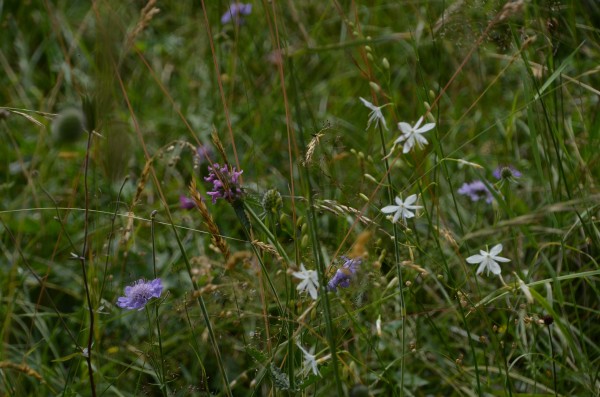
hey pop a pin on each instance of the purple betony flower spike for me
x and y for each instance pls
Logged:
(225, 183)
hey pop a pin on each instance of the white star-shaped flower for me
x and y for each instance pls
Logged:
(309, 360)
(412, 135)
(487, 260)
(403, 209)
(310, 281)
(375, 115)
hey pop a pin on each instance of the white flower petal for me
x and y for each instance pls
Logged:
(367, 103)
(475, 259)
(500, 259)
(425, 128)
(494, 268)
(389, 209)
(405, 127)
(410, 199)
(407, 214)
(496, 249)
(480, 269)
(418, 123)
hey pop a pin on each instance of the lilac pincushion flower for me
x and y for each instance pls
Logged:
(186, 203)
(225, 182)
(476, 191)
(506, 172)
(138, 294)
(234, 13)
(344, 274)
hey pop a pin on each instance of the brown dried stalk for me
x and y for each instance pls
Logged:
(212, 227)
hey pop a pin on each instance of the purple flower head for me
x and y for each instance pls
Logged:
(186, 203)
(138, 294)
(234, 13)
(225, 183)
(504, 172)
(476, 191)
(344, 274)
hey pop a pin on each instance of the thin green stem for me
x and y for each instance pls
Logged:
(390, 191)
(163, 385)
(204, 311)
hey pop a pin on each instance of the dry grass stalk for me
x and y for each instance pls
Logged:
(23, 368)
(359, 248)
(414, 266)
(312, 145)
(238, 257)
(268, 248)
(340, 209)
(219, 145)
(146, 16)
(212, 227)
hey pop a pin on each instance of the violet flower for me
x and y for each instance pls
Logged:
(476, 191)
(138, 294)
(186, 203)
(225, 183)
(234, 13)
(344, 274)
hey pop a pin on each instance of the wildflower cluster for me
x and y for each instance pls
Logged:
(138, 294)
(235, 13)
(225, 182)
(309, 283)
(488, 261)
(344, 274)
(403, 208)
(413, 135)
(476, 190)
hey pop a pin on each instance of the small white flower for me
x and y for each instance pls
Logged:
(375, 115)
(403, 208)
(309, 359)
(487, 260)
(411, 135)
(310, 281)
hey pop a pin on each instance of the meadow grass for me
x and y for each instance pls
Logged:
(127, 124)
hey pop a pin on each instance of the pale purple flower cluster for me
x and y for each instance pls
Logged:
(234, 13)
(138, 294)
(344, 274)
(506, 172)
(476, 191)
(225, 183)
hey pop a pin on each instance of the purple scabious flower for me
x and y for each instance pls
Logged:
(504, 172)
(234, 13)
(225, 183)
(344, 274)
(186, 203)
(138, 294)
(476, 191)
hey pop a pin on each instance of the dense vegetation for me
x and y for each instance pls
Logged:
(300, 198)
